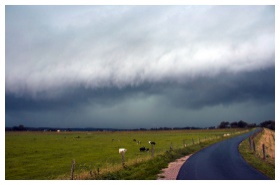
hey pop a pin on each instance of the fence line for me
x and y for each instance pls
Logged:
(95, 172)
(72, 169)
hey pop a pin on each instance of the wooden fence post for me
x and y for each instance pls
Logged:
(152, 150)
(72, 169)
(254, 146)
(250, 143)
(123, 160)
(264, 156)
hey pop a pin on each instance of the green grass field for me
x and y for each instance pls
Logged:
(48, 155)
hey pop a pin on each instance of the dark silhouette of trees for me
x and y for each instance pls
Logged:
(252, 125)
(268, 124)
(19, 128)
(242, 124)
(224, 124)
(234, 124)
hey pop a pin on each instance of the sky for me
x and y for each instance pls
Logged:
(139, 66)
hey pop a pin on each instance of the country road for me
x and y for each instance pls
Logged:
(220, 161)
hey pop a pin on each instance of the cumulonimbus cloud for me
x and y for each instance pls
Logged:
(52, 48)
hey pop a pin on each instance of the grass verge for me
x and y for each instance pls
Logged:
(266, 168)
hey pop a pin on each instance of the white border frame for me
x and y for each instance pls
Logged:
(128, 2)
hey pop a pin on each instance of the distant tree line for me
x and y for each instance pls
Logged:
(224, 124)
(22, 128)
(268, 124)
(242, 124)
(175, 128)
(19, 128)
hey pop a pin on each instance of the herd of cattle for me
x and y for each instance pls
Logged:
(152, 143)
(144, 149)
(141, 149)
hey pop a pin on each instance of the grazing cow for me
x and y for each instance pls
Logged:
(122, 150)
(143, 149)
(152, 142)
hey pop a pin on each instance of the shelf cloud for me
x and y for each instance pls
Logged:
(135, 64)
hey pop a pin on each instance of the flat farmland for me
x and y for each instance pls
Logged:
(49, 155)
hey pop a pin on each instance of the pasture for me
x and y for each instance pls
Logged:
(49, 155)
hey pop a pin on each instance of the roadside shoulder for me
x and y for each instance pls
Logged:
(171, 172)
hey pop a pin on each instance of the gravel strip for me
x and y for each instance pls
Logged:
(171, 172)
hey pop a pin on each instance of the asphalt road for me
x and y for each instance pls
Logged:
(220, 161)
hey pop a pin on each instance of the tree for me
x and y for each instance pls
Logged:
(19, 128)
(268, 124)
(252, 125)
(234, 124)
(224, 124)
(242, 124)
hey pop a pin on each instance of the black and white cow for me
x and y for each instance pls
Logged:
(143, 149)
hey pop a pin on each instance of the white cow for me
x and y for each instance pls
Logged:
(122, 150)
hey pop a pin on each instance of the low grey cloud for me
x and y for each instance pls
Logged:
(139, 65)
(160, 104)
(49, 47)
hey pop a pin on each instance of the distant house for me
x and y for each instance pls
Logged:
(58, 131)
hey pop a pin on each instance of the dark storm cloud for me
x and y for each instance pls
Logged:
(257, 86)
(56, 47)
(72, 98)
(254, 87)
(134, 66)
